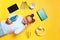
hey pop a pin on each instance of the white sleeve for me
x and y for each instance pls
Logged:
(20, 29)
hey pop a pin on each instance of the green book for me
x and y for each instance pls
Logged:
(42, 14)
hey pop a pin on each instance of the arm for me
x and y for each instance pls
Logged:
(8, 21)
(20, 29)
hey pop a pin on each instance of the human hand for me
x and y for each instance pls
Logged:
(8, 21)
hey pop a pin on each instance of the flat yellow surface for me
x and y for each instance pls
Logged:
(51, 24)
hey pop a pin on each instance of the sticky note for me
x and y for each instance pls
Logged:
(42, 14)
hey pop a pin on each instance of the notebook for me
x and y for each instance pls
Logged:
(13, 8)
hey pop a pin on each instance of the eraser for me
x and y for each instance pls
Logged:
(41, 13)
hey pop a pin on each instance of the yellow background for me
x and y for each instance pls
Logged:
(51, 24)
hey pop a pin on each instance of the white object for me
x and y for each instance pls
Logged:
(16, 27)
(32, 5)
(41, 28)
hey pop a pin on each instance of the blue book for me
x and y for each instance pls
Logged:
(42, 14)
(13, 18)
